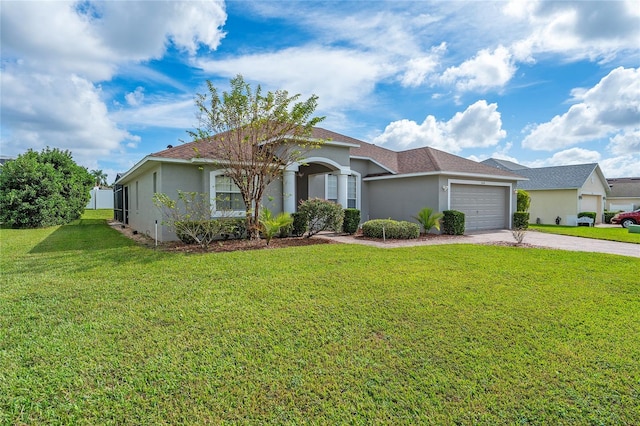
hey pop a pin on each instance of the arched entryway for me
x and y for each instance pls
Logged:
(320, 178)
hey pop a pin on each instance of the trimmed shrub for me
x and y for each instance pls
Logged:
(321, 215)
(452, 222)
(608, 216)
(523, 200)
(233, 228)
(351, 221)
(520, 220)
(286, 231)
(299, 225)
(204, 232)
(592, 215)
(392, 229)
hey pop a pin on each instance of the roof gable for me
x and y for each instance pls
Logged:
(557, 177)
(624, 187)
(504, 164)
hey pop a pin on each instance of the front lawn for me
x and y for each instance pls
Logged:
(613, 234)
(95, 330)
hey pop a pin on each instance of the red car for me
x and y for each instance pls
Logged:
(627, 218)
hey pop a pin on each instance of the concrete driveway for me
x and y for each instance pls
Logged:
(561, 242)
(532, 238)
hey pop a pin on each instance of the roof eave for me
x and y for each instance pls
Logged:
(449, 173)
(377, 163)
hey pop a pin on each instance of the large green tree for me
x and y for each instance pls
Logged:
(43, 189)
(254, 136)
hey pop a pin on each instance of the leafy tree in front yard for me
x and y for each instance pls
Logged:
(251, 133)
(45, 188)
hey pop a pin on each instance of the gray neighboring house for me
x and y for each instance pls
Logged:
(4, 159)
(560, 191)
(624, 194)
(379, 182)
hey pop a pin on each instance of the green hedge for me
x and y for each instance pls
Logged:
(299, 226)
(233, 228)
(392, 229)
(520, 220)
(452, 222)
(592, 215)
(209, 230)
(351, 221)
(609, 215)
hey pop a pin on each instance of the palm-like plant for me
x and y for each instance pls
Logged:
(99, 177)
(428, 219)
(271, 225)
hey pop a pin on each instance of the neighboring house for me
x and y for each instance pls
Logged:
(561, 191)
(624, 194)
(4, 159)
(380, 182)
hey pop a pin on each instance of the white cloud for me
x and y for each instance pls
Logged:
(63, 112)
(136, 97)
(56, 54)
(487, 70)
(166, 112)
(90, 39)
(567, 157)
(417, 69)
(611, 106)
(479, 125)
(339, 77)
(625, 143)
(577, 30)
(622, 166)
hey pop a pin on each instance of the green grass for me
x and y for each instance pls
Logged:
(612, 234)
(97, 330)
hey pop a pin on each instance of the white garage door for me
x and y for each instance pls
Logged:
(484, 207)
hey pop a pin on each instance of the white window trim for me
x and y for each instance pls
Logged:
(326, 187)
(358, 189)
(358, 177)
(212, 197)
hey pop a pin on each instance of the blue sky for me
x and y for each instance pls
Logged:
(539, 83)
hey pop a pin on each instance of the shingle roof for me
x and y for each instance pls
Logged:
(624, 187)
(419, 160)
(503, 164)
(558, 177)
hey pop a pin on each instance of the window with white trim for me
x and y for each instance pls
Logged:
(227, 195)
(332, 188)
(351, 192)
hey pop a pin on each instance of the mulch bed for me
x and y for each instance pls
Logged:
(218, 246)
(244, 245)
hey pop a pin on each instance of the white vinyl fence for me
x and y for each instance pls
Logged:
(101, 199)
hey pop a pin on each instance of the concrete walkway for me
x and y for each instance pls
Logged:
(532, 238)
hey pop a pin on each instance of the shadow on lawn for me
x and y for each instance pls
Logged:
(83, 235)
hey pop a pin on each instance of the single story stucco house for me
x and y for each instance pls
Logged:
(624, 194)
(560, 191)
(381, 183)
